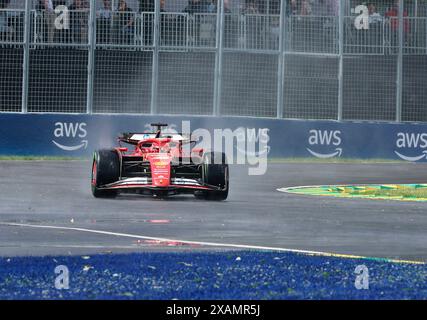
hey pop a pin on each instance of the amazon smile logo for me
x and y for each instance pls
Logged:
(409, 141)
(74, 131)
(325, 138)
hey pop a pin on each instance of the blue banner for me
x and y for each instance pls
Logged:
(80, 135)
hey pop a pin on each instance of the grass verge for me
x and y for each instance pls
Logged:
(39, 158)
(334, 160)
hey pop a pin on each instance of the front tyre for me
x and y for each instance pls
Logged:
(215, 173)
(105, 170)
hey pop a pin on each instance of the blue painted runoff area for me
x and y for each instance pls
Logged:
(210, 275)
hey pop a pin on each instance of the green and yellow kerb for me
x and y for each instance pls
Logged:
(400, 192)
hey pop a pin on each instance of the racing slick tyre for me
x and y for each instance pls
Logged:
(105, 170)
(215, 173)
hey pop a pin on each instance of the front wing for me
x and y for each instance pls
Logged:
(146, 183)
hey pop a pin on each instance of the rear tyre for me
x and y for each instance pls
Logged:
(215, 173)
(105, 170)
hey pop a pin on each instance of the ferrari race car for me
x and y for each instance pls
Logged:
(161, 165)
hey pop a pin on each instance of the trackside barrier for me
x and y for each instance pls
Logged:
(80, 135)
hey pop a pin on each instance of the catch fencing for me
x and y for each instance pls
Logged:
(335, 60)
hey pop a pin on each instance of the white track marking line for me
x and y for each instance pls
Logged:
(287, 189)
(202, 243)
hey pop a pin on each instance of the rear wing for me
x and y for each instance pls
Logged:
(135, 138)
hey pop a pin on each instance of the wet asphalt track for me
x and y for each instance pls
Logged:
(58, 194)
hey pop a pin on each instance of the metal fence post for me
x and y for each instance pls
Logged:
(26, 56)
(155, 62)
(218, 58)
(91, 57)
(341, 59)
(399, 64)
(281, 64)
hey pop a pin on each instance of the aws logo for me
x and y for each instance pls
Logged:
(253, 137)
(325, 139)
(412, 141)
(70, 131)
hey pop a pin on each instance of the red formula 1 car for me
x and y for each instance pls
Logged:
(160, 164)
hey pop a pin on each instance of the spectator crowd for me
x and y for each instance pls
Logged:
(123, 21)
